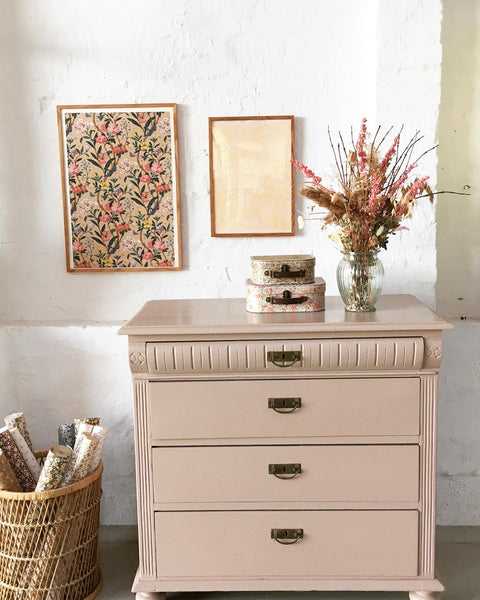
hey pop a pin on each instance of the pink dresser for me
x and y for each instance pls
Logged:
(285, 451)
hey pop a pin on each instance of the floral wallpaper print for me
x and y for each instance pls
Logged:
(120, 187)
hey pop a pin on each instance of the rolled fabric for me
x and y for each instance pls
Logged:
(81, 458)
(16, 460)
(28, 455)
(66, 435)
(38, 573)
(18, 420)
(54, 468)
(8, 481)
(100, 433)
(88, 420)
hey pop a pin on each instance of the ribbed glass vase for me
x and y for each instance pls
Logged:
(359, 280)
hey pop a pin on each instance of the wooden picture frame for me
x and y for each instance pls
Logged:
(251, 176)
(120, 179)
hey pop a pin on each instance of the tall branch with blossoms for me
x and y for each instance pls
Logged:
(376, 192)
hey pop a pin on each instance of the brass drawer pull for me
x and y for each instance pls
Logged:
(281, 358)
(285, 273)
(286, 536)
(286, 298)
(285, 471)
(284, 405)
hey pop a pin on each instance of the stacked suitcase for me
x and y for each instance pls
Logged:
(284, 283)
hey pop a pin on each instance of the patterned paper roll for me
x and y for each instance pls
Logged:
(38, 573)
(54, 468)
(100, 433)
(18, 420)
(8, 481)
(66, 435)
(81, 458)
(16, 460)
(28, 456)
(89, 420)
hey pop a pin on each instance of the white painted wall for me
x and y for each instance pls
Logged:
(328, 63)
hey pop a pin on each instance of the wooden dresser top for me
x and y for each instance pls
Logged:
(229, 316)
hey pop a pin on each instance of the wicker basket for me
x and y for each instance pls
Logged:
(49, 542)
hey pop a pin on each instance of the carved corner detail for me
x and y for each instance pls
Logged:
(434, 352)
(137, 358)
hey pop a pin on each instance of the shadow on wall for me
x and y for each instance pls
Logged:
(458, 242)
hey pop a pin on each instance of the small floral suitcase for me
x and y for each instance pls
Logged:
(279, 297)
(283, 268)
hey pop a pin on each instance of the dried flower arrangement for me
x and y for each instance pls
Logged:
(377, 192)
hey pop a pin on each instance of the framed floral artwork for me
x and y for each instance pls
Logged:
(251, 176)
(120, 187)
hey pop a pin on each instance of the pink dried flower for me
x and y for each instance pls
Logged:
(417, 187)
(374, 191)
(389, 155)
(401, 180)
(361, 151)
(309, 174)
(401, 209)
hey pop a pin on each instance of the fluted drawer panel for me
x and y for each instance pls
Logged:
(316, 355)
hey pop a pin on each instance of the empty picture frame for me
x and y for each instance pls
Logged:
(251, 176)
(120, 187)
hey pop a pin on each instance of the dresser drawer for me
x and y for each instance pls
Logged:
(328, 474)
(334, 544)
(215, 410)
(352, 354)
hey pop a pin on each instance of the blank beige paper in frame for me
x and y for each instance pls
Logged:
(120, 187)
(251, 176)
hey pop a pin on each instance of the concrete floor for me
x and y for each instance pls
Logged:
(458, 562)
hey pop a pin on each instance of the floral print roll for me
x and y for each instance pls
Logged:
(88, 420)
(66, 435)
(16, 460)
(100, 433)
(8, 481)
(81, 458)
(18, 420)
(28, 455)
(54, 468)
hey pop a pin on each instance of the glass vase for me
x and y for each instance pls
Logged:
(359, 280)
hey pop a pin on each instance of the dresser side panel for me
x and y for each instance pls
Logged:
(428, 437)
(146, 531)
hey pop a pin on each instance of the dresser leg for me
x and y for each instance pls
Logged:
(424, 595)
(150, 596)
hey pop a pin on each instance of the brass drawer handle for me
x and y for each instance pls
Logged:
(286, 298)
(285, 471)
(285, 273)
(284, 405)
(286, 536)
(282, 358)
